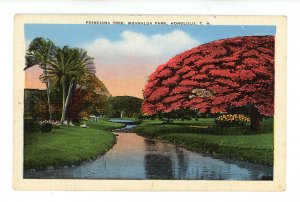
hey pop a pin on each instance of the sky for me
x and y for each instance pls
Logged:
(125, 55)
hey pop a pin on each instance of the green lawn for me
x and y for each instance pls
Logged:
(203, 136)
(105, 125)
(68, 145)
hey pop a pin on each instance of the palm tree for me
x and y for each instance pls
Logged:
(69, 66)
(40, 52)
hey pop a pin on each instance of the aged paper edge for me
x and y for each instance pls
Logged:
(279, 182)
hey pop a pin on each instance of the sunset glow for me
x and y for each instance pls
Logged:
(126, 56)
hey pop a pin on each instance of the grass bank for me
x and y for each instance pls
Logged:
(205, 137)
(68, 145)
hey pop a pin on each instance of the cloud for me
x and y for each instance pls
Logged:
(136, 55)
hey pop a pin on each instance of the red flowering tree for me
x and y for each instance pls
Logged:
(215, 77)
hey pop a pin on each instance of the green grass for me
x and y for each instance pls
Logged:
(204, 136)
(200, 121)
(68, 145)
(125, 118)
(105, 125)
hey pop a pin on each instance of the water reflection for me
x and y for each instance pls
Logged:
(134, 157)
(182, 163)
(158, 166)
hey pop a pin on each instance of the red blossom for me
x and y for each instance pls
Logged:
(184, 69)
(246, 74)
(200, 77)
(158, 93)
(164, 73)
(171, 80)
(191, 103)
(220, 72)
(181, 89)
(189, 74)
(189, 83)
(227, 82)
(206, 67)
(173, 98)
(234, 72)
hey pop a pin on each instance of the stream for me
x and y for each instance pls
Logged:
(136, 157)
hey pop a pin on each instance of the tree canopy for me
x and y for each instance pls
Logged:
(214, 77)
(128, 106)
(40, 52)
(89, 97)
(70, 74)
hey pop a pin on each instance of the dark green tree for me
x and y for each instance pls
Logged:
(126, 106)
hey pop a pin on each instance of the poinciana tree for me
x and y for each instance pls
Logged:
(216, 77)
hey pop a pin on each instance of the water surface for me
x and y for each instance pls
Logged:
(135, 157)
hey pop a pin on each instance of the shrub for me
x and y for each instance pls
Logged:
(185, 118)
(167, 121)
(84, 119)
(229, 120)
(137, 122)
(188, 118)
(84, 116)
(46, 126)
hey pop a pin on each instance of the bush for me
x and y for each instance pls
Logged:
(84, 119)
(185, 118)
(137, 122)
(46, 127)
(231, 120)
(166, 121)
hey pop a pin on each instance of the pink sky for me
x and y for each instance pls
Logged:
(32, 78)
(117, 85)
(124, 65)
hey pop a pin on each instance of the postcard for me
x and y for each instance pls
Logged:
(149, 102)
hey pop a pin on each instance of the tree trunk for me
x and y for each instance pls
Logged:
(255, 119)
(168, 118)
(122, 112)
(48, 93)
(63, 103)
(63, 117)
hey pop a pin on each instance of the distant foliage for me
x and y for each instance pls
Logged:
(228, 73)
(129, 106)
(228, 120)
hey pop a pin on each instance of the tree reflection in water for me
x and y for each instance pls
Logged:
(165, 161)
(135, 157)
(161, 162)
(158, 163)
(182, 165)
